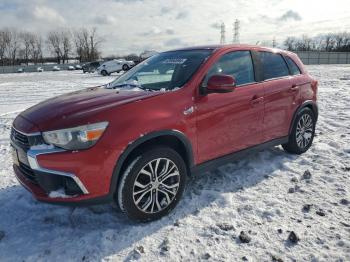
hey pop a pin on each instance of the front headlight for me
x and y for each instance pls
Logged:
(76, 138)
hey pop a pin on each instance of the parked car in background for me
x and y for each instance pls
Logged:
(137, 146)
(115, 65)
(56, 68)
(71, 68)
(91, 67)
(78, 67)
(39, 69)
(20, 70)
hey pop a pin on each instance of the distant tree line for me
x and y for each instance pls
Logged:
(330, 42)
(18, 47)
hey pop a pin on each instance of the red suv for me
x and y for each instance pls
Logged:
(136, 140)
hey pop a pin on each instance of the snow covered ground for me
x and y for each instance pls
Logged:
(265, 195)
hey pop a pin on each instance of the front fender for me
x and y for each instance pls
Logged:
(132, 146)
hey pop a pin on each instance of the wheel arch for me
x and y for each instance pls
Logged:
(172, 138)
(307, 104)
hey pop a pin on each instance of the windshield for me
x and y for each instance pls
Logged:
(164, 71)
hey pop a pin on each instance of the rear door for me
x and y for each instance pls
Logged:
(281, 95)
(230, 122)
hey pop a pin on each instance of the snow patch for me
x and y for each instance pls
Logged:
(58, 194)
(249, 195)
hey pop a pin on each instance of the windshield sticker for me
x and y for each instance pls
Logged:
(176, 61)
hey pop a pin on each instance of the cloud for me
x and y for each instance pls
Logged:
(165, 10)
(290, 15)
(182, 15)
(174, 42)
(133, 25)
(156, 31)
(104, 20)
(47, 14)
(169, 31)
(152, 32)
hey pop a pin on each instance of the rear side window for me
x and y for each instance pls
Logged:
(294, 69)
(273, 65)
(237, 64)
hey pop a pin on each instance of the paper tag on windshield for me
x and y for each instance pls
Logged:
(177, 61)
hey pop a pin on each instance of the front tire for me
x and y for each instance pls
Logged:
(302, 134)
(125, 67)
(104, 73)
(152, 184)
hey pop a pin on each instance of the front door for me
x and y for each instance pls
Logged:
(230, 122)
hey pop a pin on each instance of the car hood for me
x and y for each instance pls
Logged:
(76, 106)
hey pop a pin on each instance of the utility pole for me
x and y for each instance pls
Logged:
(274, 42)
(236, 27)
(222, 33)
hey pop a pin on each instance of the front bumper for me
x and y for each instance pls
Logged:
(58, 176)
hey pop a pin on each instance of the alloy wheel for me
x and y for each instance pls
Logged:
(304, 131)
(156, 185)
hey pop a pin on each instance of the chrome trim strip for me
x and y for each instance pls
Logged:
(27, 134)
(33, 162)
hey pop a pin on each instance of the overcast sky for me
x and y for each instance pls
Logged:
(135, 25)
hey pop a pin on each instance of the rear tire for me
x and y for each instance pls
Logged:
(125, 67)
(302, 134)
(152, 184)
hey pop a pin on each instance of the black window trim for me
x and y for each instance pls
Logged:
(258, 69)
(253, 64)
(261, 70)
(290, 70)
(251, 57)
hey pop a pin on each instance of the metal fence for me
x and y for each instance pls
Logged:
(32, 68)
(308, 58)
(319, 58)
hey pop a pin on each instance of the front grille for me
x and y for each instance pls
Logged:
(25, 141)
(19, 138)
(28, 173)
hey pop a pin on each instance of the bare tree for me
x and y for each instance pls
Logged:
(66, 45)
(339, 40)
(290, 43)
(54, 42)
(95, 41)
(27, 38)
(87, 44)
(4, 44)
(36, 47)
(328, 42)
(79, 44)
(13, 46)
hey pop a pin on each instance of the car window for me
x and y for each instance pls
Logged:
(273, 65)
(294, 69)
(237, 64)
(164, 71)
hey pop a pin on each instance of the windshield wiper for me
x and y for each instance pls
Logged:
(128, 85)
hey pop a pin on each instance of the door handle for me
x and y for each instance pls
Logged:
(294, 88)
(188, 111)
(257, 100)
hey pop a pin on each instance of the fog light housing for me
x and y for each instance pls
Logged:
(71, 188)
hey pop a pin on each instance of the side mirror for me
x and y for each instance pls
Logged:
(221, 84)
